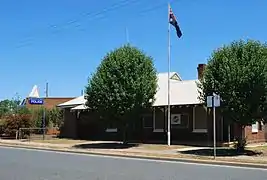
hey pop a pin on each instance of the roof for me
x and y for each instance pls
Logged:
(173, 76)
(80, 107)
(34, 92)
(181, 92)
(74, 102)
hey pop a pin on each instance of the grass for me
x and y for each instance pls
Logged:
(179, 156)
(59, 141)
(89, 144)
(160, 146)
(262, 149)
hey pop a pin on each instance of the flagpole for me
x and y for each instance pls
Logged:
(169, 67)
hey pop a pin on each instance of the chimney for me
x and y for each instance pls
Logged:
(200, 70)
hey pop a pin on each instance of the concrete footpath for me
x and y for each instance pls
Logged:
(166, 154)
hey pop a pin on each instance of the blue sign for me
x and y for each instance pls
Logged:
(38, 101)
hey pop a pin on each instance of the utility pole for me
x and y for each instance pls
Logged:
(46, 90)
(81, 92)
(44, 114)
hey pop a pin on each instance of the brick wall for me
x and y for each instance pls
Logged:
(256, 137)
(49, 103)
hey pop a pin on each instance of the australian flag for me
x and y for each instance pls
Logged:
(173, 21)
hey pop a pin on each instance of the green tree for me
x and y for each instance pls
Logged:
(124, 83)
(8, 106)
(238, 73)
(55, 117)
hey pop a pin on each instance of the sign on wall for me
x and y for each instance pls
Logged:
(36, 101)
(176, 119)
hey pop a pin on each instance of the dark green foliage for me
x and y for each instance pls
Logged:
(36, 116)
(124, 83)
(238, 72)
(55, 117)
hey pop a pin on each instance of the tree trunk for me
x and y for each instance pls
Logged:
(125, 133)
(241, 141)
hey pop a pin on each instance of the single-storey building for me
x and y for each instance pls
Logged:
(47, 102)
(190, 119)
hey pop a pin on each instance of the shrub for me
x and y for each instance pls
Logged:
(55, 117)
(2, 123)
(14, 122)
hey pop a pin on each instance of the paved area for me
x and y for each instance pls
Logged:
(21, 164)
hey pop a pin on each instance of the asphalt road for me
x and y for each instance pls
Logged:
(21, 164)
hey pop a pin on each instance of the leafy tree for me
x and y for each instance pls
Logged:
(8, 106)
(55, 117)
(124, 83)
(238, 73)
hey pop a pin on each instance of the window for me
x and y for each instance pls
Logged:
(175, 77)
(111, 127)
(261, 126)
(158, 119)
(179, 120)
(147, 121)
(255, 127)
(199, 119)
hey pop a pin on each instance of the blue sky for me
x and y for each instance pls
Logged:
(62, 42)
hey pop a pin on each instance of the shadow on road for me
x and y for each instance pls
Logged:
(105, 146)
(221, 152)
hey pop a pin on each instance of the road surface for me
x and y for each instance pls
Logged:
(22, 164)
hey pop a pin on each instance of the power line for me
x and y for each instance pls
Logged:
(59, 27)
(113, 7)
(97, 15)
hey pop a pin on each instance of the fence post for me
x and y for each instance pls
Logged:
(17, 135)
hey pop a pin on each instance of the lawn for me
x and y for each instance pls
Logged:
(160, 146)
(108, 145)
(60, 141)
(262, 149)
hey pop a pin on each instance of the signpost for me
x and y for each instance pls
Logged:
(214, 101)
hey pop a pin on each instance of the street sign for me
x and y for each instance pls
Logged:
(36, 101)
(209, 101)
(216, 100)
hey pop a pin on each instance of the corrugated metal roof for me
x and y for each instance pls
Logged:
(80, 107)
(181, 92)
(74, 102)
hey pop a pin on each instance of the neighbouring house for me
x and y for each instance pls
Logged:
(33, 102)
(45, 102)
(190, 119)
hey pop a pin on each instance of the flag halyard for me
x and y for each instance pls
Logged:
(174, 23)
